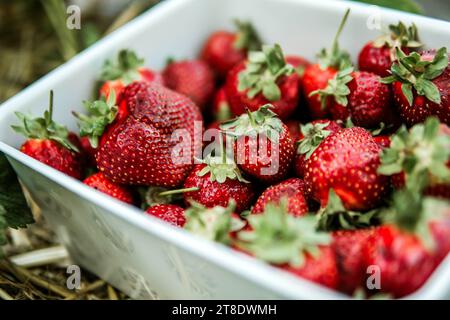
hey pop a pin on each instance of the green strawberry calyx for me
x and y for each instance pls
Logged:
(44, 127)
(334, 216)
(415, 73)
(221, 168)
(214, 224)
(262, 71)
(420, 153)
(335, 58)
(336, 88)
(101, 113)
(278, 237)
(399, 36)
(124, 68)
(246, 37)
(313, 135)
(260, 122)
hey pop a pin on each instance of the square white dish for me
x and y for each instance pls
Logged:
(137, 253)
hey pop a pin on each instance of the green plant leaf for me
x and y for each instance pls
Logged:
(402, 5)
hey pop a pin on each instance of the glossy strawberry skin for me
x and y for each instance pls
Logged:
(88, 151)
(315, 78)
(137, 148)
(348, 247)
(214, 193)
(221, 110)
(369, 101)
(220, 53)
(239, 101)
(294, 129)
(403, 261)
(292, 189)
(170, 213)
(300, 161)
(99, 182)
(193, 78)
(347, 161)
(253, 163)
(422, 108)
(384, 141)
(321, 270)
(146, 75)
(54, 155)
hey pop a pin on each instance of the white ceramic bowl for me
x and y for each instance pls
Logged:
(137, 253)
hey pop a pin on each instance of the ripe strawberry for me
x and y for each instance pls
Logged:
(193, 78)
(317, 75)
(101, 183)
(171, 213)
(299, 63)
(377, 56)
(293, 189)
(312, 134)
(368, 101)
(383, 141)
(264, 78)
(218, 224)
(263, 146)
(128, 68)
(88, 150)
(50, 143)
(216, 182)
(138, 147)
(420, 158)
(309, 254)
(223, 49)
(420, 85)
(347, 161)
(221, 108)
(294, 129)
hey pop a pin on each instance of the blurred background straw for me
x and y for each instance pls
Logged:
(34, 40)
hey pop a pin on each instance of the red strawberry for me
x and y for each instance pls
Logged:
(50, 143)
(272, 232)
(348, 247)
(420, 85)
(347, 161)
(368, 100)
(420, 158)
(223, 49)
(293, 189)
(88, 150)
(215, 183)
(193, 78)
(100, 182)
(170, 213)
(377, 56)
(138, 147)
(316, 76)
(263, 146)
(264, 78)
(312, 134)
(294, 129)
(299, 63)
(383, 141)
(127, 68)
(221, 108)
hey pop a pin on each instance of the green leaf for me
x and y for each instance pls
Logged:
(125, 67)
(428, 89)
(246, 38)
(407, 91)
(403, 5)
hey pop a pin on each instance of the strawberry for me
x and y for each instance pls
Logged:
(311, 135)
(193, 78)
(420, 85)
(299, 63)
(99, 182)
(293, 189)
(138, 147)
(294, 129)
(264, 78)
(88, 150)
(171, 213)
(420, 158)
(384, 141)
(377, 56)
(262, 144)
(221, 108)
(50, 142)
(216, 182)
(223, 49)
(317, 75)
(290, 243)
(347, 161)
(218, 223)
(128, 68)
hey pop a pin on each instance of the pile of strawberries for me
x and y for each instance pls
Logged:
(337, 175)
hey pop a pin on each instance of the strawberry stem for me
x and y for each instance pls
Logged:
(50, 107)
(250, 117)
(335, 46)
(177, 191)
